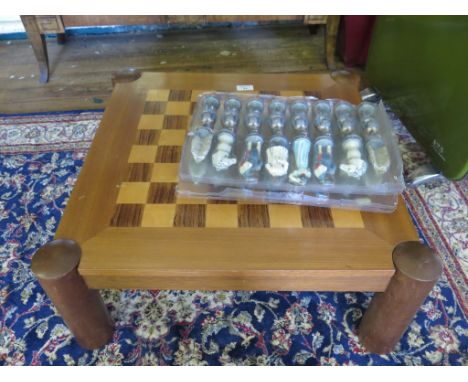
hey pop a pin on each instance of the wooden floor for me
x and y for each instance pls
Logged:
(81, 69)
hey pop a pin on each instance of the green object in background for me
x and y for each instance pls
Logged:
(419, 64)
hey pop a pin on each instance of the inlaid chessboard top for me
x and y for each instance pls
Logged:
(136, 232)
(147, 196)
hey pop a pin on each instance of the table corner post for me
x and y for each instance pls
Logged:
(417, 269)
(56, 267)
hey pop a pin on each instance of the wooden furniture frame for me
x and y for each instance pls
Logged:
(352, 254)
(38, 26)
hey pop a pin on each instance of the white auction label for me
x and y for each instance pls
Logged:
(244, 88)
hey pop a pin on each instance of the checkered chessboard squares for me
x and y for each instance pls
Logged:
(147, 197)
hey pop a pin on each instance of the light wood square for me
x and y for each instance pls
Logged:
(133, 192)
(165, 172)
(142, 154)
(178, 108)
(292, 93)
(158, 215)
(158, 95)
(221, 216)
(284, 216)
(172, 137)
(151, 122)
(346, 218)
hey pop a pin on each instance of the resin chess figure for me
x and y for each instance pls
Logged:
(203, 135)
(277, 152)
(353, 164)
(323, 165)
(345, 117)
(251, 162)
(323, 117)
(221, 158)
(301, 144)
(379, 157)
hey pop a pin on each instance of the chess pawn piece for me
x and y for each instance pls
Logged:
(323, 117)
(377, 151)
(353, 164)
(323, 165)
(251, 162)
(367, 115)
(277, 152)
(345, 117)
(301, 144)
(221, 158)
(203, 135)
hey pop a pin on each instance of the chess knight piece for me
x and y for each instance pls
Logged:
(203, 135)
(301, 144)
(353, 163)
(221, 158)
(277, 151)
(251, 162)
(379, 157)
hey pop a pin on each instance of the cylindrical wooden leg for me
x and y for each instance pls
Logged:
(417, 269)
(56, 267)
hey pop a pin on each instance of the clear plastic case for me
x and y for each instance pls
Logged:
(298, 150)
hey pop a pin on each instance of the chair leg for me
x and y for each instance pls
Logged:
(39, 45)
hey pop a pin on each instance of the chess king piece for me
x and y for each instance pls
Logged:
(323, 117)
(301, 144)
(379, 157)
(353, 164)
(203, 135)
(221, 158)
(277, 152)
(251, 162)
(323, 165)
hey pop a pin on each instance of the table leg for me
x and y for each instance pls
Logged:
(39, 45)
(83, 310)
(417, 269)
(330, 43)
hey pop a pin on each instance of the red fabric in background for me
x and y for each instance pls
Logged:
(354, 39)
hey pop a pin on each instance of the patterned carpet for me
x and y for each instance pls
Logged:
(41, 156)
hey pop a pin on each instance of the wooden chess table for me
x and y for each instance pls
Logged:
(125, 227)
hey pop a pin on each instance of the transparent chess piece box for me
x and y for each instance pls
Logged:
(298, 150)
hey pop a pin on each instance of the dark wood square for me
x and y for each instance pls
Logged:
(154, 108)
(161, 193)
(190, 215)
(317, 217)
(253, 216)
(139, 172)
(168, 154)
(127, 215)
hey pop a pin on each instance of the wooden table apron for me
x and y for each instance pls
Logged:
(343, 258)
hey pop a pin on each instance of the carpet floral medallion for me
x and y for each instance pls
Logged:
(40, 158)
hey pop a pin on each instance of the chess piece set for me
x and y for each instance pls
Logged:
(290, 144)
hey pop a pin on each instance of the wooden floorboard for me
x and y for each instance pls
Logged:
(81, 69)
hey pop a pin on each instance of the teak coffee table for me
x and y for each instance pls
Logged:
(125, 227)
